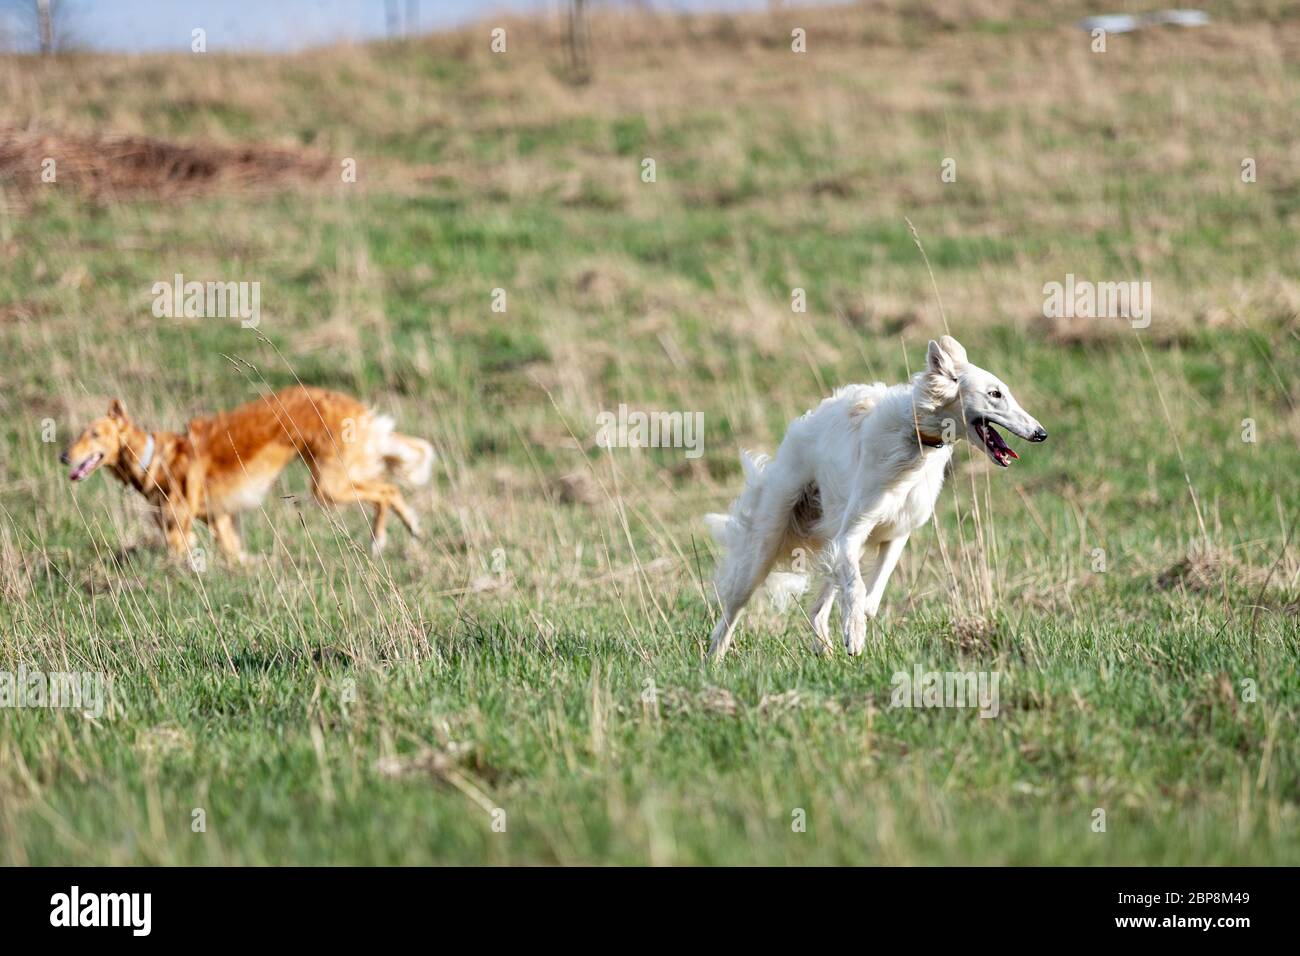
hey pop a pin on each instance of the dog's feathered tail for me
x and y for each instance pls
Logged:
(407, 459)
(782, 587)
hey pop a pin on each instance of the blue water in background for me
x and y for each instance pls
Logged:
(133, 26)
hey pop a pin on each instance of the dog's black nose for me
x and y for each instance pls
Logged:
(64, 459)
(1040, 435)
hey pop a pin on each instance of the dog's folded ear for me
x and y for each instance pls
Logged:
(116, 410)
(940, 362)
(956, 351)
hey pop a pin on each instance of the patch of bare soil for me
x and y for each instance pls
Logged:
(110, 167)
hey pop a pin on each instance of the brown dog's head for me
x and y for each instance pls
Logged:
(99, 444)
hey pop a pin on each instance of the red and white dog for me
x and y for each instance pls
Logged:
(225, 464)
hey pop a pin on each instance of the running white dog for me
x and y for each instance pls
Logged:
(862, 470)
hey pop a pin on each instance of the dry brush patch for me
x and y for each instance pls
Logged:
(113, 167)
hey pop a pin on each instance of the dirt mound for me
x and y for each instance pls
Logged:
(110, 167)
(1201, 571)
(1208, 571)
(973, 635)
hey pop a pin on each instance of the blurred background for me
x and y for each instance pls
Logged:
(133, 26)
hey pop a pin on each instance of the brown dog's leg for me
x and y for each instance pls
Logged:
(332, 487)
(398, 503)
(176, 515)
(391, 497)
(227, 535)
(378, 531)
(180, 536)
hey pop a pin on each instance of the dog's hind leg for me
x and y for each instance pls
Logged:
(404, 512)
(821, 618)
(378, 529)
(753, 558)
(388, 496)
(723, 632)
(332, 486)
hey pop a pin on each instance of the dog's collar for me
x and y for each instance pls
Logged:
(929, 441)
(147, 457)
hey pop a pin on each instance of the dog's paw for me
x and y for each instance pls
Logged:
(855, 636)
(822, 645)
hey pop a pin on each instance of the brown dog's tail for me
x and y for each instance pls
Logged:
(408, 459)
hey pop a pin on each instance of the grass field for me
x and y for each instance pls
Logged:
(525, 685)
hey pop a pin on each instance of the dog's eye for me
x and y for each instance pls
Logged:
(994, 393)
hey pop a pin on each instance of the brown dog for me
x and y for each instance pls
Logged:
(225, 464)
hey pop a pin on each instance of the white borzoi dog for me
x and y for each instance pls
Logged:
(861, 471)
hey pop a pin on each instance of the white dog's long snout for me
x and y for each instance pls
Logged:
(1020, 423)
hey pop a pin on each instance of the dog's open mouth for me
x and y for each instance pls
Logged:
(86, 467)
(998, 449)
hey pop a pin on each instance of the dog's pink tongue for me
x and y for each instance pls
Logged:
(1012, 452)
(82, 469)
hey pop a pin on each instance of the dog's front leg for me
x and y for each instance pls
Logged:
(183, 509)
(886, 560)
(853, 592)
(177, 529)
(177, 522)
(227, 535)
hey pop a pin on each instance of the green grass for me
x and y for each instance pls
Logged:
(239, 708)
(540, 651)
